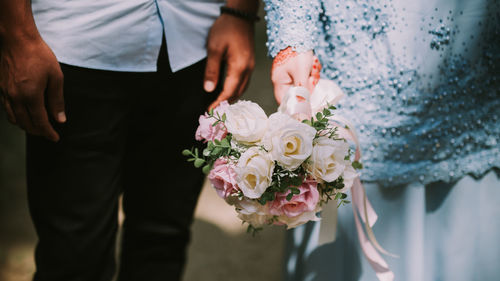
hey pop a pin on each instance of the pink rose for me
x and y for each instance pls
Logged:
(304, 202)
(206, 131)
(223, 178)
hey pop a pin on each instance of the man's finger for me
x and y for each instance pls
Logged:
(40, 120)
(212, 69)
(244, 83)
(55, 97)
(231, 84)
(10, 113)
(8, 108)
(22, 117)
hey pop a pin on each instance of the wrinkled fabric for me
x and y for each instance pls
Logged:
(126, 35)
(421, 78)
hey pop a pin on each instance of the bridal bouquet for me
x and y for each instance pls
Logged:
(280, 169)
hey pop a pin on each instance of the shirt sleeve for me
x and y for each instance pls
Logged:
(292, 23)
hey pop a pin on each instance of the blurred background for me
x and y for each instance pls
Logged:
(220, 248)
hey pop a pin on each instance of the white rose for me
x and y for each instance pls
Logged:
(299, 220)
(289, 141)
(327, 161)
(252, 212)
(254, 170)
(246, 121)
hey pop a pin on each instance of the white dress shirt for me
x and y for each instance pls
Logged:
(126, 35)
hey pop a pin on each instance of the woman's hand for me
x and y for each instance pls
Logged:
(291, 68)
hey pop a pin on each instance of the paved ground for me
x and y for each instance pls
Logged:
(220, 249)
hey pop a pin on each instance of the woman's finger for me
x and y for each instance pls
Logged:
(315, 73)
(301, 71)
(280, 91)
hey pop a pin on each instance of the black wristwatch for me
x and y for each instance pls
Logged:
(240, 14)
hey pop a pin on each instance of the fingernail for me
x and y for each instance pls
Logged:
(61, 117)
(209, 86)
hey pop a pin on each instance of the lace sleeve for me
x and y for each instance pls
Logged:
(291, 23)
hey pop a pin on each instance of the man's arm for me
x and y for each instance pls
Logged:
(231, 41)
(30, 75)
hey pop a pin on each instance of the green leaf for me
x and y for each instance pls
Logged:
(319, 116)
(253, 230)
(223, 117)
(225, 143)
(289, 196)
(357, 165)
(186, 152)
(206, 169)
(217, 151)
(326, 112)
(199, 162)
(217, 142)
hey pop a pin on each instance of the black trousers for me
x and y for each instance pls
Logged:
(124, 134)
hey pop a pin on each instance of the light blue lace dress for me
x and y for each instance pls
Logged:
(423, 89)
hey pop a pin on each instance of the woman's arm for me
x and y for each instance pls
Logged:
(291, 23)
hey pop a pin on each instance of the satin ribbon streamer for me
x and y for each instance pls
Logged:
(301, 105)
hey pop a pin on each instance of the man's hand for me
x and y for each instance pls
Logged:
(31, 81)
(30, 76)
(230, 41)
(294, 69)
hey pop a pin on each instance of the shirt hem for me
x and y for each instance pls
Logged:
(134, 68)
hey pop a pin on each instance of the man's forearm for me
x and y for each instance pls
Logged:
(16, 21)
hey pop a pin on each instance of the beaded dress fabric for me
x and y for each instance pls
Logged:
(422, 80)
